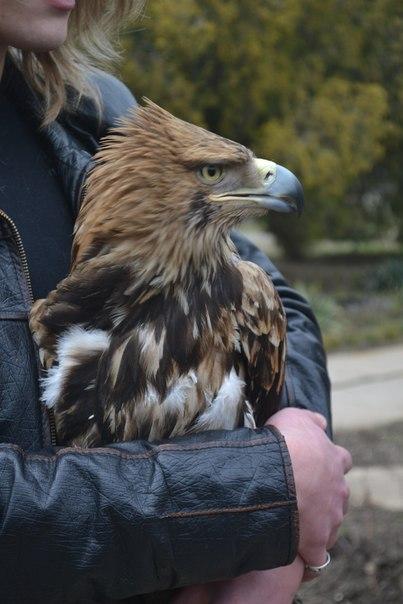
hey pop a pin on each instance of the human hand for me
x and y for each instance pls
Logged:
(276, 586)
(319, 467)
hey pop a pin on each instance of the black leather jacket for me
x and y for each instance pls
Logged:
(100, 525)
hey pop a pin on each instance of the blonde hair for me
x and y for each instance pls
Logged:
(91, 43)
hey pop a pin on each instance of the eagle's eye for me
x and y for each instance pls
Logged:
(211, 173)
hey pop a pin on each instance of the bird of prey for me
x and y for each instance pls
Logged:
(160, 328)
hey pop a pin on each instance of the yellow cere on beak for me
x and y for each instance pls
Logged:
(281, 191)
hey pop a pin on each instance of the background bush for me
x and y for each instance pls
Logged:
(314, 84)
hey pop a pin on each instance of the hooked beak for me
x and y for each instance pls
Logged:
(280, 190)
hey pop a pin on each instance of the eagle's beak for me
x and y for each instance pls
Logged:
(279, 189)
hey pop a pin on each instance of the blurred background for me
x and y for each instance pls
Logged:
(316, 85)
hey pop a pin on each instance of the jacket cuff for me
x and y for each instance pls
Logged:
(139, 517)
(239, 514)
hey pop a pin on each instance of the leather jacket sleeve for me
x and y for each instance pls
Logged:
(128, 519)
(307, 382)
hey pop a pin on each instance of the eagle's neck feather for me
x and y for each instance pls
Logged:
(156, 237)
(169, 260)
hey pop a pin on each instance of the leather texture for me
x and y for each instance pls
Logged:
(103, 525)
(20, 413)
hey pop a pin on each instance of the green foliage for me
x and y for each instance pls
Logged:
(314, 84)
(388, 276)
(328, 311)
(356, 320)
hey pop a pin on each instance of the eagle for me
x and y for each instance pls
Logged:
(160, 329)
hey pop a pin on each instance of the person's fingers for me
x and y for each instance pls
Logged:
(346, 498)
(334, 535)
(339, 520)
(316, 559)
(318, 419)
(310, 575)
(346, 458)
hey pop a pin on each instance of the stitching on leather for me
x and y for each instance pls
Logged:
(290, 491)
(148, 454)
(282, 443)
(247, 508)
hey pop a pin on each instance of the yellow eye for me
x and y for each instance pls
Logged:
(211, 173)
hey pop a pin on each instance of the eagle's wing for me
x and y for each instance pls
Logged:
(42, 336)
(262, 329)
(87, 296)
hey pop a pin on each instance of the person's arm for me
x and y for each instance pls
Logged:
(322, 497)
(141, 517)
(307, 382)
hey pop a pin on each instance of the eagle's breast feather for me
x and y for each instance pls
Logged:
(208, 358)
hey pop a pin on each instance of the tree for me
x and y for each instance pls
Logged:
(308, 83)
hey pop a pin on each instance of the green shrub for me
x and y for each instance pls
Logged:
(330, 314)
(372, 320)
(388, 276)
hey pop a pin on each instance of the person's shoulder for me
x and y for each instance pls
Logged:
(116, 99)
(90, 120)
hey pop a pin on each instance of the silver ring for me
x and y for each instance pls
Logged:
(319, 569)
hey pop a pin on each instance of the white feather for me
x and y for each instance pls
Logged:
(175, 401)
(248, 417)
(223, 411)
(75, 343)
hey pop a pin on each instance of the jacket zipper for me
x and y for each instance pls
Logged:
(25, 269)
(52, 426)
(21, 253)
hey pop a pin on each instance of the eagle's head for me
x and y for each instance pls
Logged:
(168, 191)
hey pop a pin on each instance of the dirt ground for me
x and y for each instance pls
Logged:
(382, 447)
(367, 561)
